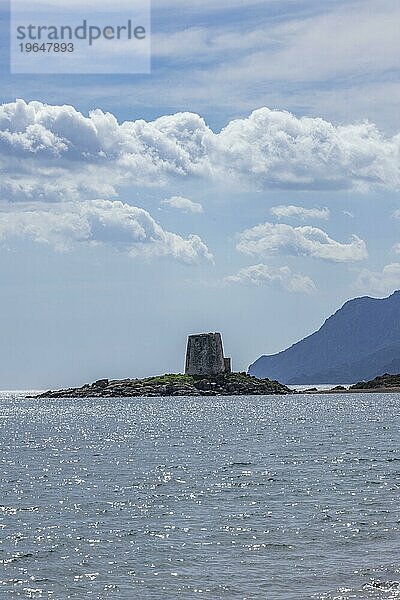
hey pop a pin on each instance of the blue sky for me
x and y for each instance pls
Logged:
(248, 185)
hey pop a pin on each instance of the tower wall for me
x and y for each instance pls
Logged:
(205, 355)
(228, 365)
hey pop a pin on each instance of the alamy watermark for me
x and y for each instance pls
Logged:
(101, 37)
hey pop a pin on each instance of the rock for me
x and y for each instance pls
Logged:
(223, 384)
(101, 383)
(385, 381)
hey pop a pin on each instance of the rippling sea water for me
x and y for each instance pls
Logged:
(274, 498)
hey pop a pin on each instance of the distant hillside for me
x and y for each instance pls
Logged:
(358, 342)
(386, 382)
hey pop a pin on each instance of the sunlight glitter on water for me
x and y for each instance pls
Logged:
(284, 498)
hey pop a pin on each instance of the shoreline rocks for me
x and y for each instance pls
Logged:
(224, 384)
(385, 381)
(381, 384)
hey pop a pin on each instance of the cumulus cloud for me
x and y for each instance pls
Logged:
(58, 152)
(280, 150)
(259, 275)
(379, 282)
(55, 152)
(183, 204)
(269, 238)
(101, 222)
(299, 212)
(396, 214)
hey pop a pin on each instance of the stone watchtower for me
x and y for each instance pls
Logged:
(205, 355)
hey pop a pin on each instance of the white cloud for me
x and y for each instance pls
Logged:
(291, 211)
(379, 282)
(396, 214)
(365, 42)
(55, 152)
(211, 5)
(275, 149)
(279, 57)
(56, 147)
(289, 59)
(199, 42)
(74, 5)
(183, 204)
(269, 238)
(204, 5)
(261, 274)
(101, 222)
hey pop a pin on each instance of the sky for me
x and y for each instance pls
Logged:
(248, 185)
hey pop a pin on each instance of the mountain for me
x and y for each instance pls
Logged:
(360, 341)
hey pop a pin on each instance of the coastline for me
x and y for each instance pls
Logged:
(381, 390)
(226, 384)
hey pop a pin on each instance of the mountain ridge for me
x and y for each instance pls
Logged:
(359, 341)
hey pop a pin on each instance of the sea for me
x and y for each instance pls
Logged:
(247, 497)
